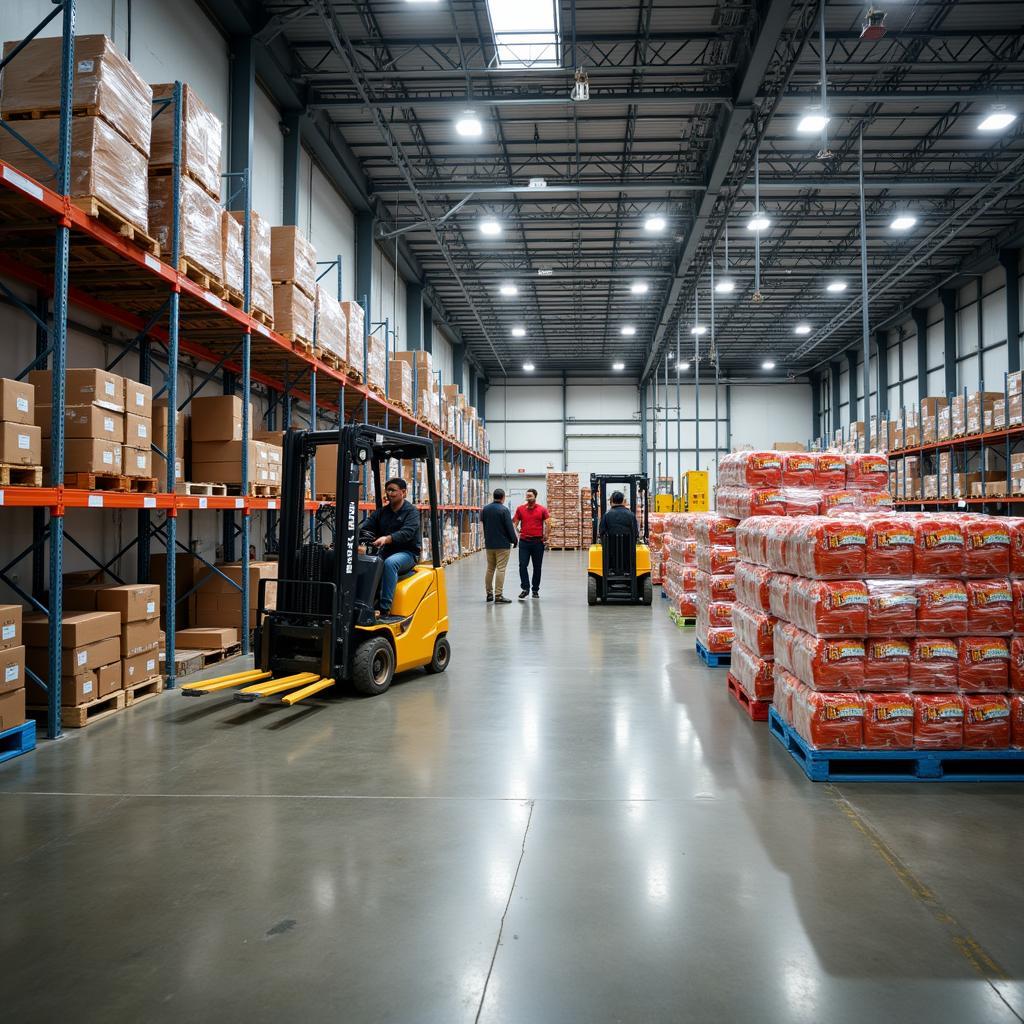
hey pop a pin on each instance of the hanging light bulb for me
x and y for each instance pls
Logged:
(757, 297)
(726, 286)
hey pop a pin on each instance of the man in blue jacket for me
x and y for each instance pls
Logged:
(396, 535)
(499, 537)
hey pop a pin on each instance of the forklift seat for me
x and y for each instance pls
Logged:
(369, 574)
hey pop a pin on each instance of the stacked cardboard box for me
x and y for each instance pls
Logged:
(90, 655)
(586, 517)
(138, 606)
(376, 363)
(355, 322)
(201, 139)
(331, 326)
(216, 432)
(261, 288)
(293, 271)
(563, 495)
(160, 426)
(218, 601)
(109, 147)
(232, 244)
(400, 383)
(423, 383)
(20, 438)
(12, 667)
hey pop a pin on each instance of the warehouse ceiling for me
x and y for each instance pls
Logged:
(682, 97)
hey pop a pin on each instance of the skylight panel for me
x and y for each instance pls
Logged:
(526, 33)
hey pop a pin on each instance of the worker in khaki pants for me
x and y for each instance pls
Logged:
(499, 538)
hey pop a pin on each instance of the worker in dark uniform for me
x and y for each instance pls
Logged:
(618, 519)
(396, 536)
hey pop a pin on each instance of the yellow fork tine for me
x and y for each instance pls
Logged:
(275, 686)
(306, 691)
(202, 686)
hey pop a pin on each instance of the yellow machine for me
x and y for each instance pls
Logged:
(665, 499)
(323, 629)
(619, 567)
(696, 490)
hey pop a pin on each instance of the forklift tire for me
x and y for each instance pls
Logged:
(591, 590)
(442, 655)
(648, 591)
(373, 666)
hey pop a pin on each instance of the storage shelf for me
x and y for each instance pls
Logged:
(1001, 500)
(1004, 434)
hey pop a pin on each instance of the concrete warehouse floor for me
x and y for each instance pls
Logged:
(573, 824)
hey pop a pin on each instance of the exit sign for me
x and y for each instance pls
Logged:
(520, 470)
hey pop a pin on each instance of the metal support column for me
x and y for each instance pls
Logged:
(881, 375)
(816, 430)
(414, 316)
(645, 464)
(1009, 259)
(365, 223)
(864, 314)
(565, 424)
(458, 363)
(948, 296)
(292, 163)
(851, 374)
(834, 371)
(428, 327)
(242, 100)
(144, 515)
(921, 327)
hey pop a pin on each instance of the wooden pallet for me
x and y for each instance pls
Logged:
(20, 476)
(296, 284)
(138, 692)
(756, 710)
(333, 361)
(186, 662)
(255, 490)
(356, 375)
(202, 277)
(166, 170)
(41, 113)
(213, 657)
(262, 317)
(233, 298)
(98, 481)
(202, 490)
(95, 207)
(143, 485)
(81, 715)
(303, 344)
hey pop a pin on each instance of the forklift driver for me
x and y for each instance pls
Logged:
(618, 519)
(394, 532)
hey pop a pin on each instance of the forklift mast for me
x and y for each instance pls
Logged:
(638, 494)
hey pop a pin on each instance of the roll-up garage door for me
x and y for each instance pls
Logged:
(614, 453)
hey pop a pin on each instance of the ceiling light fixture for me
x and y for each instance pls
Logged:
(767, 365)
(802, 329)
(489, 226)
(836, 286)
(655, 224)
(618, 366)
(998, 119)
(468, 125)
(726, 285)
(628, 331)
(683, 367)
(814, 120)
(544, 271)
(508, 289)
(698, 330)
(759, 222)
(518, 332)
(904, 222)
(638, 287)
(536, 183)
(528, 367)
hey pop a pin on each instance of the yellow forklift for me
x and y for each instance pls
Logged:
(619, 567)
(323, 629)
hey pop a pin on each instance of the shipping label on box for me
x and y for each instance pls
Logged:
(12, 669)
(10, 626)
(20, 444)
(132, 602)
(17, 401)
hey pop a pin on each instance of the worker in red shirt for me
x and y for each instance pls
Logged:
(531, 519)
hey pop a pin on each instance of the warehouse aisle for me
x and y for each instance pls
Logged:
(572, 824)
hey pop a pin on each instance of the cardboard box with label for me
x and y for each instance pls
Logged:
(89, 386)
(140, 636)
(88, 455)
(138, 431)
(76, 660)
(17, 401)
(84, 421)
(221, 461)
(140, 668)
(12, 669)
(132, 601)
(137, 462)
(205, 638)
(12, 709)
(10, 626)
(20, 444)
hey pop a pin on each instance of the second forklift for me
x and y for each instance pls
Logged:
(619, 567)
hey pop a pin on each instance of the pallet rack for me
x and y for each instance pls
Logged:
(92, 267)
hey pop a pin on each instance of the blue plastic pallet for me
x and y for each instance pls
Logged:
(19, 740)
(898, 765)
(712, 660)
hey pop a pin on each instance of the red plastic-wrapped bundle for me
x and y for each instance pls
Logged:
(688, 576)
(824, 547)
(986, 545)
(934, 664)
(892, 607)
(778, 543)
(754, 629)
(752, 585)
(829, 608)
(783, 636)
(1017, 587)
(802, 501)
(656, 541)
(798, 469)
(839, 501)
(867, 472)
(830, 471)
(716, 639)
(827, 664)
(780, 588)
(754, 674)
(751, 469)
(719, 613)
(742, 502)
(989, 606)
(874, 500)
(686, 604)
(938, 546)
(830, 721)
(983, 664)
(1016, 667)
(938, 721)
(717, 587)
(1016, 528)
(716, 558)
(986, 721)
(712, 529)
(941, 607)
(1016, 720)
(890, 545)
(786, 685)
(887, 664)
(888, 721)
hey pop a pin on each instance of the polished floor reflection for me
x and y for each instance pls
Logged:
(573, 824)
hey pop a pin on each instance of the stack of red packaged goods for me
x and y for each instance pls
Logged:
(716, 580)
(788, 484)
(892, 630)
(679, 563)
(656, 542)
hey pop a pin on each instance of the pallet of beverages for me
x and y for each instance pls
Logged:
(563, 497)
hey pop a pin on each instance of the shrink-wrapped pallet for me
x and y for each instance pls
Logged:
(754, 629)
(986, 721)
(232, 242)
(355, 320)
(938, 721)
(376, 362)
(292, 258)
(331, 325)
(753, 673)
(293, 313)
(201, 137)
(261, 290)
(752, 585)
(888, 721)
(199, 223)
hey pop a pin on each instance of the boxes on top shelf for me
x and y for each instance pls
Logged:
(20, 444)
(331, 325)
(261, 289)
(355, 319)
(292, 259)
(232, 247)
(201, 138)
(293, 312)
(400, 382)
(104, 82)
(376, 362)
(199, 234)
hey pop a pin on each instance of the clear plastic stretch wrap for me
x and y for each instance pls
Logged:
(753, 673)
(867, 472)
(889, 546)
(752, 585)
(986, 545)
(743, 502)
(888, 721)
(798, 469)
(104, 164)
(887, 664)
(786, 685)
(200, 230)
(710, 586)
(292, 258)
(986, 721)
(232, 240)
(261, 289)
(716, 558)
(754, 629)
(934, 664)
(331, 326)
(201, 138)
(750, 469)
(716, 639)
(941, 607)
(983, 664)
(989, 606)
(938, 721)
(821, 663)
(892, 607)
(355, 317)
(1017, 721)
(831, 608)
(938, 545)
(832, 721)
(104, 81)
(656, 540)
(376, 362)
(293, 313)
(830, 471)
(714, 529)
